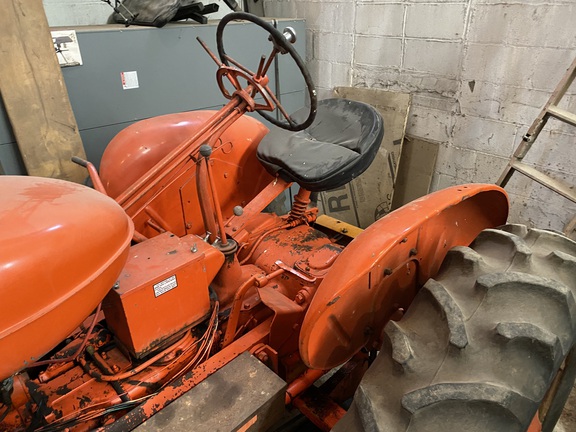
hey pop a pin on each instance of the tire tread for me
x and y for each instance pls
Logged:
(485, 337)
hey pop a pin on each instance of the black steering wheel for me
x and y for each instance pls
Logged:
(282, 46)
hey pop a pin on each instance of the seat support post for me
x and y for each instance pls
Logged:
(300, 205)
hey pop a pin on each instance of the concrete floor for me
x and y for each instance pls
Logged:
(567, 422)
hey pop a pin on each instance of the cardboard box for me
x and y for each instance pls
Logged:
(415, 170)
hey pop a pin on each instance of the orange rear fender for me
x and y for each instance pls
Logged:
(383, 267)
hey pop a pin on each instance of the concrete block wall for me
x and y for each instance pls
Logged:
(479, 72)
(76, 12)
(67, 13)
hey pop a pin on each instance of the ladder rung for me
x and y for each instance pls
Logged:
(545, 180)
(561, 114)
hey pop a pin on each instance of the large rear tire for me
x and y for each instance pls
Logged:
(482, 343)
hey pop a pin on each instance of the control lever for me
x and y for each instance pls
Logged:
(92, 172)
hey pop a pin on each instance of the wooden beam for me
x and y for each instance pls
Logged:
(338, 226)
(35, 95)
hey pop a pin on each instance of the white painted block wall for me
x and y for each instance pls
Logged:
(76, 12)
(479, 72)
(62, 13)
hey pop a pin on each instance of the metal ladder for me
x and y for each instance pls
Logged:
(550, 109)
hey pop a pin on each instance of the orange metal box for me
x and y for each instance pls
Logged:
(162, 290)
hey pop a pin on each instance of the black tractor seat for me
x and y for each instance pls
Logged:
(339, 146)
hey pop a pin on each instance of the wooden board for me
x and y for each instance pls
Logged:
(35, 95)
(415, 170)
(369, 197)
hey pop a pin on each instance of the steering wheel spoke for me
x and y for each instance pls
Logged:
(249, 93)
(257, 82)
(280, 108)
(234, 80)
(268, 104)
(239, 66)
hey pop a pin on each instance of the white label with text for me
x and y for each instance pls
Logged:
(164, 286)
(129, 80)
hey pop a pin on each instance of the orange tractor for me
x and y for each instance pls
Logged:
(118, 300)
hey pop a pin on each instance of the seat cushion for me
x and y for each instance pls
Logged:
(339, 146)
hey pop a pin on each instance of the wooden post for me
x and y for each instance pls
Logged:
(35, 95)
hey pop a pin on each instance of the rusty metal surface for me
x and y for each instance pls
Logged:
(382, 268)
(190, 380)
(242, 392)
(319, 408)
(291, 246)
